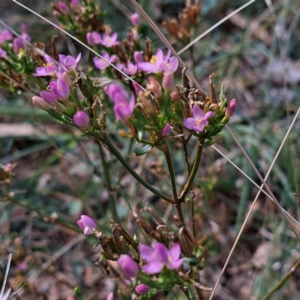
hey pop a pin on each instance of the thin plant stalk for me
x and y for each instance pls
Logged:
(121, 159)
(191, 178)
(167, 153)
(111, 198)
(252, 206)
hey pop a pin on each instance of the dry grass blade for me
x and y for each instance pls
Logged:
(261, 178)
(5, 277)
(122, 8)
(214, 26)
(78, 41)
(166, 42)
(286, 215)
(254, 183)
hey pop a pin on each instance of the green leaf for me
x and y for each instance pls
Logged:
(143, 151)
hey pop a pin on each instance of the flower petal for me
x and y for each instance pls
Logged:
(161, 252)
(190, 123)
(197, 112)
(146, 252)
(209, 115)
(175, 264)
(175, 251)
(153, 267)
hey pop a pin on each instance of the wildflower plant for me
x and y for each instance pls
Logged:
(143, 96)
(142, 93)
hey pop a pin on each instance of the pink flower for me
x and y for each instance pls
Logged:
(109, 41)
(160, 257)
(87, 224)
(18, 44)
(114, 91)
(26, 37)
(166, 130)
(142, 288)
(48, 69)
(74, 2)
(49, 97)
(124, 109)
(130, 69)
(199, 121)
(103, 63)
(69, 63)
(81, 119)
(93, 38)
(5, 35)
(3, 53)
(135, 19)
(129, 267)
(230, 108)
(60, 89)
(155, 65)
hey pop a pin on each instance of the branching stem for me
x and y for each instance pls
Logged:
(121, 159)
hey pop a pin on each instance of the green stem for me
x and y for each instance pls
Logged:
(121, 159)
(111, 198)
(190, 181)
(166, 151)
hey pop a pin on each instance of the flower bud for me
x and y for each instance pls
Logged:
(175, 96)
(142, 288)
(138, 56)
(129, 267)
(81, 119)
(168, 81)
(40, 103)
(154, 87)
(166, 130)
(87, 224)
(230, 108)
(135, 19)
(63, 7)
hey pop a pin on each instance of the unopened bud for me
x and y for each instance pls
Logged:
(154, 87)
(166, 130)
(175, 96)
(81, 119)
(40, 103)
(142, 288)
(135, 19)
(129, 267)
(230, 108)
